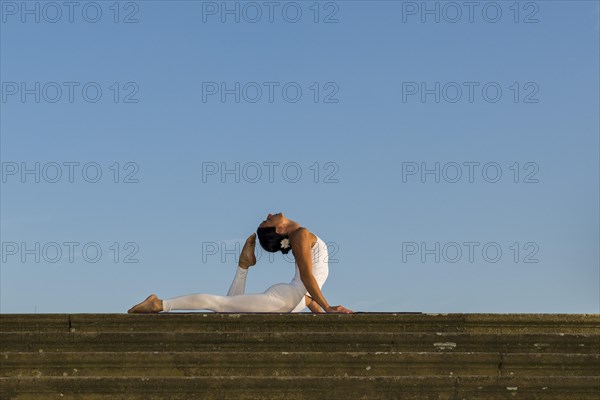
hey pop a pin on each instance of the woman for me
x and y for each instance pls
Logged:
(276, 233)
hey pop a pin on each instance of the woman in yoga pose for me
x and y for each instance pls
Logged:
(276, 233)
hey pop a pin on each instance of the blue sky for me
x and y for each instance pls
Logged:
(347, 108)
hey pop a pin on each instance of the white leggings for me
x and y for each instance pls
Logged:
(281, 297)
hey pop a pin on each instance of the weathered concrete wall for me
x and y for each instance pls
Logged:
(288, 356)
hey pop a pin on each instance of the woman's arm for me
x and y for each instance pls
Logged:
(314, 307)
(301, 248)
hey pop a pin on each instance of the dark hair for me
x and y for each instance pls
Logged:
(270, 240)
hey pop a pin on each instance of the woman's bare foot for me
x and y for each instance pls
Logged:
(247, 258)
(152, 304)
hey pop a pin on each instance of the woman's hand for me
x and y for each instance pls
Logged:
(338, 310)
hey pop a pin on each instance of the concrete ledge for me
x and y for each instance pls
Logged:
(304, 322)
(422, 387)
(298, 341)
(317, 364)
(299, 356)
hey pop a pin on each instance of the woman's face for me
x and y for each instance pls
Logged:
(272, 220)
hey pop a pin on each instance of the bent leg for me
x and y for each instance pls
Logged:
(238, 286)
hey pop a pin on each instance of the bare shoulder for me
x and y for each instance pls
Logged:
(303, 236)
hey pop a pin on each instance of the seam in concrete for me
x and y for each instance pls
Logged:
(500, 363)
(455, 388)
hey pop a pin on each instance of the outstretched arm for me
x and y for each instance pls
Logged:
(303, 256)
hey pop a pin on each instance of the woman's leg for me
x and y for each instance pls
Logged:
(280, 297)
(153, 304)
(247, 259)
(238, 286)
(212, 302)
(263, 302)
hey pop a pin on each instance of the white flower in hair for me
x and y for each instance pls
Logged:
(285, 243)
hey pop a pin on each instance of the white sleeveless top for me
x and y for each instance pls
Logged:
(320, 267)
